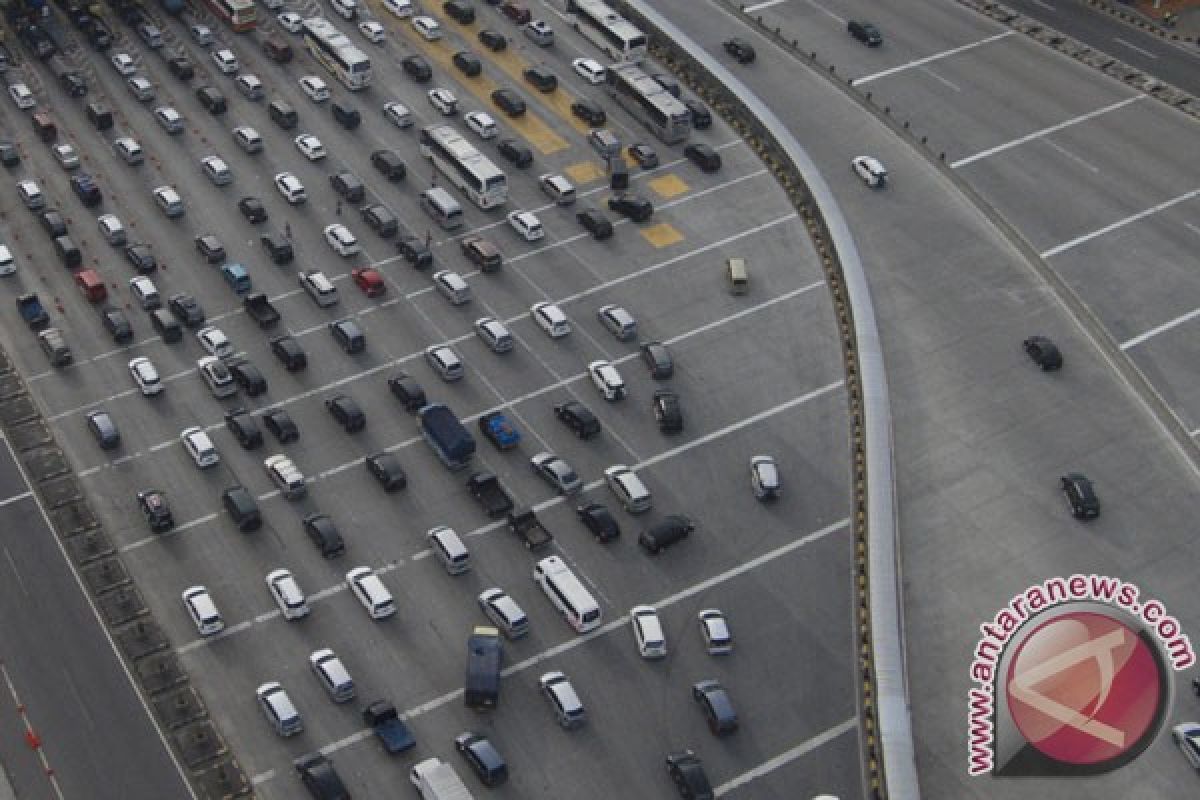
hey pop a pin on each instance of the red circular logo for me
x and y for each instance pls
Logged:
(1084, 688)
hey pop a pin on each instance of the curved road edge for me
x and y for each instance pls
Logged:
(887, 723)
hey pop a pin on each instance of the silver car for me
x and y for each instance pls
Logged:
(556, 472)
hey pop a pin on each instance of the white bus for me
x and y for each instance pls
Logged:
(608, 30)
(337, 53)
(647, 100)
(568, 595)
(466, 167)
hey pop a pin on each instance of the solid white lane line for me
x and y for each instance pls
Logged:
(15, 498)
(761, 6)
(1166, 326)
(780, 760)
(1135, 48)
(929, 59)
(1087, 237)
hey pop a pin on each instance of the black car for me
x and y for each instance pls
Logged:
(320, 778)
(9, 155)
(643, 155)
(289, 352)
(54, 222)
(482, 756)
(278, 246)
(493, 40)
(241, 424)
(687, 773)
(386, 469)
(541, 79)
(253, 209)
(389, 163)
(594, 222)
(247, 376)
(703, 156)
(187, 310)
(417, 68)
(599, 520)
(460, 11)
(346, 411)
(155, 509)
(701, 118)
(141, 256)
(468, 63)
(865, 32)
(415, 251)
(211, 248)
(181, 68)
(86, 189)
(380, 219)
(657, 359)
(517, 153)
(324, 535)
(1081, 495)
(407, 391)
(579, 418)
(740, 49)
(660, 536)
(667, 411)
(349, 186)
(508, 101)
(635, 207)
(1043, 352)
(279, 422)
(117, 324)
(589, 111)
(717, 707)
(104, 429)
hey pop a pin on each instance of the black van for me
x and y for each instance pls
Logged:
(100, 116)
(166, 326)
(347, 116)
(283, 114)
(703, 156)
(242, 508)
(213, 101)
(278, 246)
(674, 528)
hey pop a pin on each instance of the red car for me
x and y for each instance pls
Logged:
(369, 280)
(517, 12)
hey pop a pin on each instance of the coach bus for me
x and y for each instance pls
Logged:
(608, 30)
(337, 53)
(647, 100)
(466, 167)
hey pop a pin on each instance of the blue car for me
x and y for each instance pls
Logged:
(237, 277)
(499, 431)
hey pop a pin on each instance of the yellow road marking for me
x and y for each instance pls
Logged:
(668, 186)
(584, 172)
(661, 235)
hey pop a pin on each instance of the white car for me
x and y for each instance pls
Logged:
(608, 381)
(1187, 736)
(551, 319)
(398, 114)
(8, 265)
(288, 594)
(648, 632)
(445, 362)
(494, 333)
(372, 30)
(111, 229)
(123, 63)
(590, 70)
(348, 9)
(202, 610)
(225, 60)
(141, 88)
(341, 239)
(870, 170)
(21, 95)
(629, 489)
(504, 613)
(290, 21)
(291, 188)
(444, 101)
(170, 119)
(66, 156)
(371, 592)
(217, 376)
(311, 146)
(714, 630)
(316, 89)
(527, 224)
(619, 322)
(145, 376)
(248, 139)
(169, 201)
(146, 293)
(452, 286)
(557, 472)
(200, 447)
(401, 8)
(482, 123)
(427, 27)
(214, 340)
(764, 477)
(250, 86)
(217, 170)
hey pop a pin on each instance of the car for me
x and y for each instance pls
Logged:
(517, 12)
(146, 293)
(250, 86)
(864, 32)
(482, 757)
(701, 117)
(493, 40)
(872, 173)
(53, 222)
(668, 411)
(427, 27)
(629, 489)
(527, 225)
(452, 286)
(497, 429)
(1043, 352)
(129, 150)
(599, 521)
(764, 478)
(607, 380)
(494, 334)
(181, 67)
(200, 447)
(348, 186)
(287, 594)
(539, 32)
(648, 632)
(211, 248)
(372, 30)
(318, 775)
(417, 68)
(348, 9)
(1081, 495)
(370, 281)
(556, 472)
(291, 188)
(540, 78)
(290, 21)
(482, 123)
(558, 691)
(310, 146)
(216, 170)
(551, 319)
(445, 362)
(122, 62)
(633, 206)
(203, 611)
(216, 375)
(668, 531)
(8, 265)
(386, 469)
(201, 34)
(112, 230)
(687, 773)
(517, 153)
(557, 188)
(214, 340)
(339, 237)
(284, 473)
(741, 50)
(170, 119)
(156, 510)
(643, 155)
(253, 209)
(619, 322)
(279, 422)
(247, 376)
(579, 418)
(10, 156)
(371, 592)
(225, 60)
(104, 429)
(186, 309)
(594, 222)
(277, 707)
(278, 246)
(415, 251)
(444, 101)
(114, 319)
(398, 114)
(31, 195)
(383, 221)
(145, 376)
(248, 139)
(389, 163)
(590, 70)
(468, 63)
(503, 612)
(703, 156)
(316, 89)
(346, 412)
(401, 8)
(508, 101)
(714, 630)
(1187, 736)
(657, 358)
(66, 156)
(589, 111)
(169, 201)
(407, 390)
(244, 428)
(717, 707)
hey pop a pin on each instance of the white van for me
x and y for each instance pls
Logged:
(442, 206)
(453, 287)
(567, 594)
(319, 287)
(333, 675)
(203, 611)
(449, 548)
(371, 592)
(277, 707)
